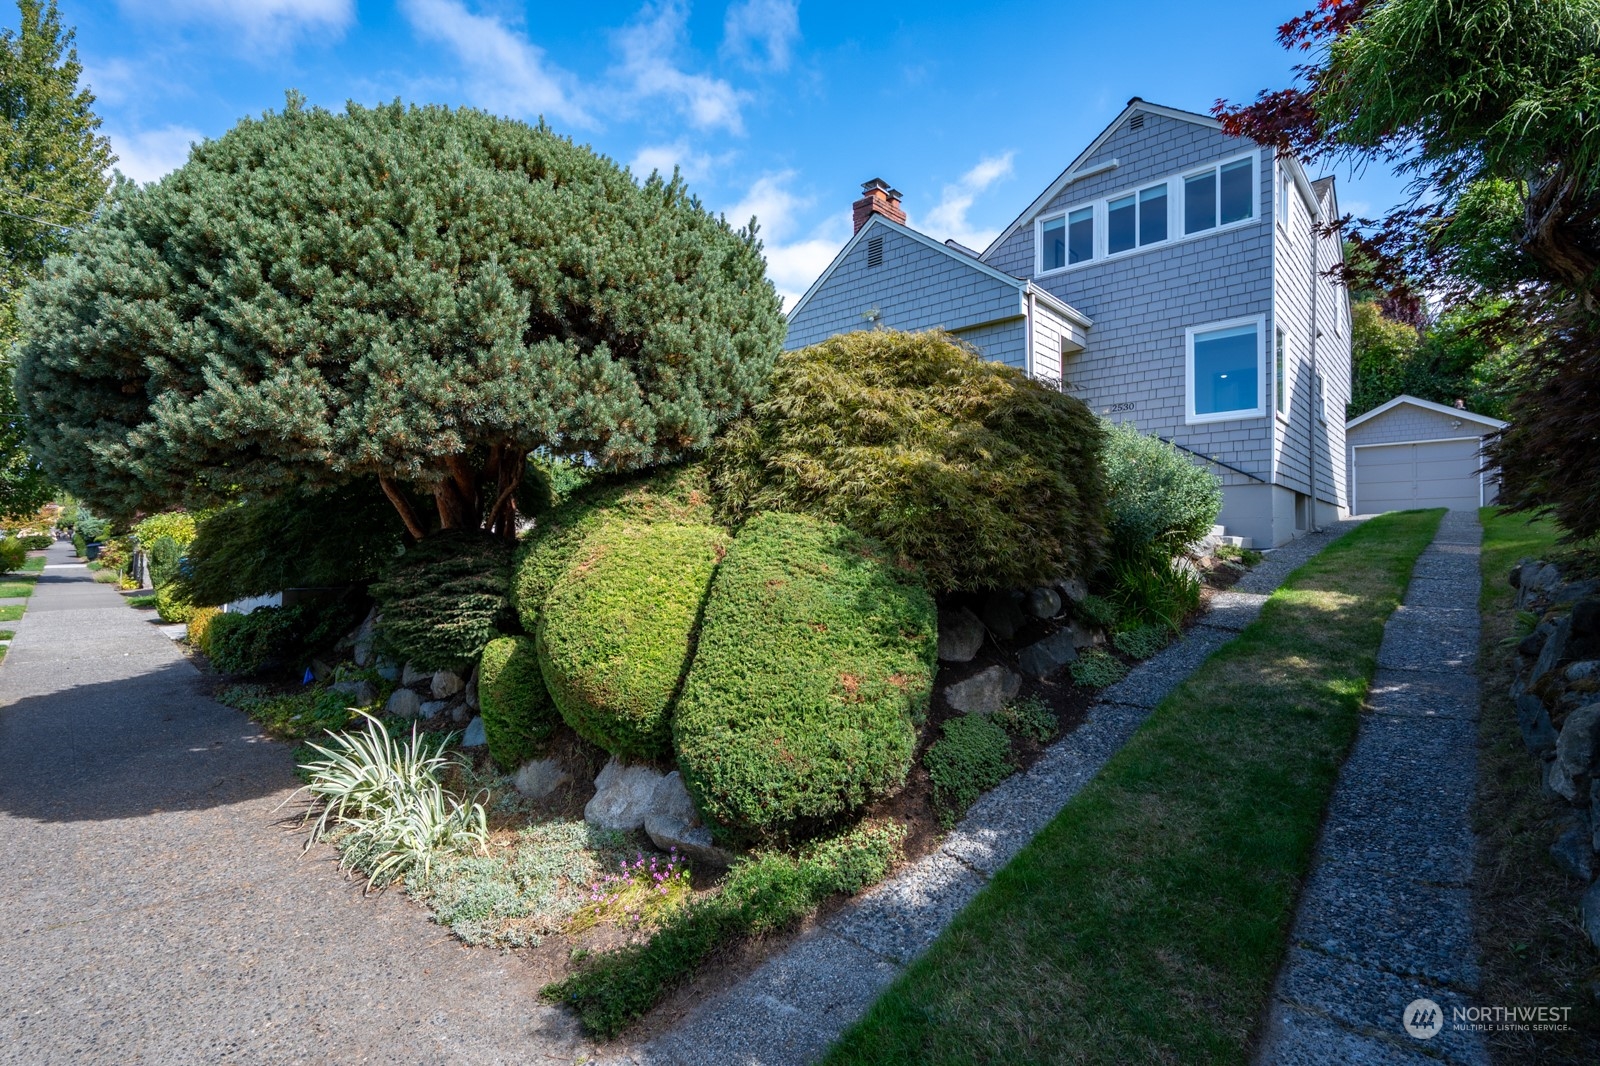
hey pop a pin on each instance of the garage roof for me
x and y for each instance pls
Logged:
(1426, 405)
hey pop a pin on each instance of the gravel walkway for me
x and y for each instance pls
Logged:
(155, 911)
(1385, 917)
(797, 1003)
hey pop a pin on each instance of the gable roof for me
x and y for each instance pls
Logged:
(1020, 284)
(1426, 405)
(1072, 174)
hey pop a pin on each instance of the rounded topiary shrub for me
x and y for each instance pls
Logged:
(518, 717)
(674, 494)
(445, 599)
(978, 474)
(815, 664)
(1158, 499)
(618, 627)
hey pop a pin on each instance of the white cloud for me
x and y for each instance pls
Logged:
(761, 33)
(263, 21)
(114, 81)
(647, 46)
(150, 154)
(793, 262)
(948, 218)
(505, 72)
(691, 164)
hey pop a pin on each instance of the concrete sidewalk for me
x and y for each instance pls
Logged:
(1385, 917)
(157, 911)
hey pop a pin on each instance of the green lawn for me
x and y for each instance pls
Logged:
(34, 564)
(11, 612)
(13, 587)
(147, 599)
(1147, 921)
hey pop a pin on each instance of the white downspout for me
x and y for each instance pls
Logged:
(1027, 303)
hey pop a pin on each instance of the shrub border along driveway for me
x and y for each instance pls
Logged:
(1145, 923)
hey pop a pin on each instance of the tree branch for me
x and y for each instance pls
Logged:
(408, 514)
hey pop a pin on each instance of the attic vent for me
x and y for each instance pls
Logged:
(1136, 122)
(874, 251)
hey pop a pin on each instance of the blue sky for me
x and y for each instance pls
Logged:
(773, 108)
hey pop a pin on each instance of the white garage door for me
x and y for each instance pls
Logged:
(1399, 477)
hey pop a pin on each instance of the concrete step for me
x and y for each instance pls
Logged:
(1237, 542)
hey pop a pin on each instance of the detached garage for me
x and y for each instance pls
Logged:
(1416, 453)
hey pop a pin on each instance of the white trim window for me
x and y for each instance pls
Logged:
(1322, 398)
(1280, 372)
(1224, 370)
(1176, 208)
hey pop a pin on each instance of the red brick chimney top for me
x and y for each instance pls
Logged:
(877, 199)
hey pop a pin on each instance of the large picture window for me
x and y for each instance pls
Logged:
(1224, 370)
(1219, 196)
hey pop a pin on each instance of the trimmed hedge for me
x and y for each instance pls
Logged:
(518, 717)
(815, 664)
(617, 630)
(980, 475)
(171, 606)
(198, 630)
(445, 599)
(676, 494)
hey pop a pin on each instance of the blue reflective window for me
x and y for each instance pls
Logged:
(1226, 371)
(1200, 202)
(1080, 235)
(1053, 244)
(1120, 225)
(1238, 198)
(1153, 214)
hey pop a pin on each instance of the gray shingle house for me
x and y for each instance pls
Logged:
(1172, 276)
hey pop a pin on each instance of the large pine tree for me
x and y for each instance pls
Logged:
(52, 176)
(419, 294)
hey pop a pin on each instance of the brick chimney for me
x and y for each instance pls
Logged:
(877, 199)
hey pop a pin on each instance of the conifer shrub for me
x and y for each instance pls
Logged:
(198, 630)
(815, 664)
(972, 756)
(675, 494)
(618, 627)
(968, 468)
(445, 599)
(1159, 501)
(518, 717)
(13, 553)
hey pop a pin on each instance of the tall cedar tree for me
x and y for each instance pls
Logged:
(52, 176)
(1493, 108)
(417, 294)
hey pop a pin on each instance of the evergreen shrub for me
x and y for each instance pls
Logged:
(518, 717)
(978, 474)
(1159, 501)
(171, 606)
(37, 542)
(972, 756)
(445, 599)
(199, 627)
(13, 553)
(815, 663)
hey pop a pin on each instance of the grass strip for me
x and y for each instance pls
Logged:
(1525, 908)
(11, 612)
(143, 600)
(17, 587)
(1146, 922)
(33, 565)
(762, 894)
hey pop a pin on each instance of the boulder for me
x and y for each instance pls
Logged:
(320, 670)
(1532, 644)
(1560, 783)
(471, 692)
(1583, 624)
(412, 674)
(1085, 636)
(403, 703)
(1042, 602)
(1574, 591)
(960, 635)
(672, 822)
(474, 737)
(623, 796)
(1534, 721)
(1043, 658)
(1579, 743)
(459, 714)
(388, 669)
(362, 648)
(1574, 853)
(357, 693)
(433, 708)
(1554, 652)
(1514, 578)
(537, 778)
(1587, 670)
(1002, 613)
(984, 692)
(1589, 909)
(1073, 588)
(445, 684)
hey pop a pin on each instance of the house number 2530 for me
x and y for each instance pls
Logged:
(1119, 407)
